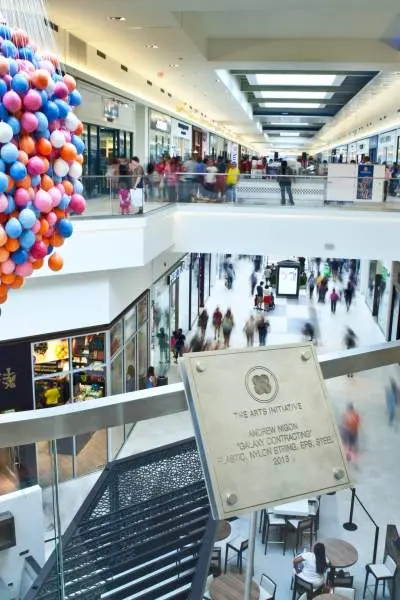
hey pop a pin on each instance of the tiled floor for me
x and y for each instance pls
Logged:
(376, 470)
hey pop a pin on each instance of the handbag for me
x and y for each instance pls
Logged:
(136, 197)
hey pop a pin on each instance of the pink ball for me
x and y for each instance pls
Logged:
(29, 122)
(36, 166)
(77, 204)
(49, 233)
(61, 188)
(32, 100)
(7, 79)
(3, 202)
(52, 219)
(25, 269)
(43, 201)
(54, 125)
(36, 227)
(55, 196)
(8, 267)
(67, 135)
(47, 66)
(38, 250)
(61, 90)
(21, 197)
(12, 101)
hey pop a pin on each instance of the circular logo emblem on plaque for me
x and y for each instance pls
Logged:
(261, 384)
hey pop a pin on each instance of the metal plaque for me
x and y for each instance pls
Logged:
(264, 426)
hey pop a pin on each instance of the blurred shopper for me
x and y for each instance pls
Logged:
(232, 179)
(394, 181)
(262, 327)
(196, 343)
(312, 566)
(217, 321)
(285, 183)
(350, 342)
(260, 295)
(189, 180)
(348, 295)
(221, 177)
(308, 332)
(203, 321)
(334, 300)
(137, 184)
(124, 198)
(210, 179)
(151, 378)
(249, 329)
(392, 400)
(227, 326)
(163, 344)
(180, 343)
(230, 276)
(253, 283)
(386, 184)
(172, 345)
(350, 430)
(311, 285)
(171, 179)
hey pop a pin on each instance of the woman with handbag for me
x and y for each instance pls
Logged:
(137, 184)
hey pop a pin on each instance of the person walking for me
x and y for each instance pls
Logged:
(217, 321)
(260, 295)
(348, 295)
(311, 285)
(253, 283)
(350, 426)
(151, 379)
(350, 342)
(249, 329)
(203, 321)
(262, 326)
(392, 396)
(232, 179)
(334, 300)
(227, 326)
(180, 343)
(285, 183)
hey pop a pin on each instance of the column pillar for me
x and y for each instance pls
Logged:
(141, 142)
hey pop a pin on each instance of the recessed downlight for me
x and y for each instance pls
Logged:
(174, 66)
(151, 46)
(117, 18)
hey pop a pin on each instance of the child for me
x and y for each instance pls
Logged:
(124, 199)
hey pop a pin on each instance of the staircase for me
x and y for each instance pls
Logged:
(143, 533)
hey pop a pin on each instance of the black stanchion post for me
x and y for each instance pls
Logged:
(375, 544)
(349, 525)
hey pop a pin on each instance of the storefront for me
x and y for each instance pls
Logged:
(387, 148)
(218, 146)
(197, 142)
(352, 152)
(341, 154)
(74, 368)
(159, 135)
(378, 293)
(200, 284)
(373, 149)
(181, 134)
(362, 150)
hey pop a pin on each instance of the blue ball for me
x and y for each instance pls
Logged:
(51, 111)
(63, 108)
(14, 124)
(4, 114)
(20, 84)
(78, 186)
(13, 228)
(65, 200)
(13, 67)
(65, 228)
(2, 166)
(18, 170)
(75, 98)
(43, 123)
(8, 49)
(44, 97)
(27, 239)
(49, 249)
(3, 88)
(5, 32)
(78, 143)
(19, 256)
(35, 180)
(9, 153)
(57, 77)
(26, 53)
(3, 182)
(11, 205)
(27, 218)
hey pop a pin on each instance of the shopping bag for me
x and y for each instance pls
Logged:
(136, 197)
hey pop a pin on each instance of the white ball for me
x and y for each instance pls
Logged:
(71, 121)
(57, 138)
(61, 167)
(75, 170)
(6, 133)
(50, 87)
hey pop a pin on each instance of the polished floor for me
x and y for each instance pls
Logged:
(375, 468)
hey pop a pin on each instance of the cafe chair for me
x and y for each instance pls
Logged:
(206, 595)
(345, 592)
(216, 561)
(270, 523)
(239, 545)
(302, 527)
(300, 586)
(267, 588)
(384, 572)
(342, 579)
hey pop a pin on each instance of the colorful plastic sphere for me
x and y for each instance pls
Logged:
(25, 269)
(36, 166)
(27, 144)
(69, 82)
(55, 195)
(75, 170)
(27, 217)
(5, 32)
(26, 54)
(78, 143)
(3, 88)
(15, 125)
(63, 108)
(20, 83)
(20, 38)
(57, 139)
(78, 187)
(71, 121)
(56, 262)
(6, 133)
(8, 267)
(40, 79)
(68, 152)
(18, 170)
(61, 90)
(13, 228)
(42, 201)
(9, 153)
(8, 49)
(77, 204)
(61, 167)
(32, 100)
(43, 122)
(12, 101)
(21, 255)
(75, 98)
(29, 122)
(11, 205)
(51, 111)
(27, 239)
(38, 250)
(65, 228)
(3, 182)
(22, 198)
(3, 203)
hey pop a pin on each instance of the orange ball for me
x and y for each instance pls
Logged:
(68, 152)
(38, 264)
(4, 66)
(59, 212)
(56, 262)
(4, 254)
(56, 240)
(24, 183)
(23, 157)
(17, 283)
(79, 158)
(40, 79)
(47, 183)
(3, 289)
(11, 245)
(44, 147)
(8, 279)
(46, 164)
(79, 129)
(10, 184)
(3, 299)
(68, 187)
(44, 226)
(27, 144)
(70, 82)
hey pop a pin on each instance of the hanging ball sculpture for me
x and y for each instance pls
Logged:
(41, 156)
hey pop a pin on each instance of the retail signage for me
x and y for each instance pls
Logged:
(387, 139)
(175, 275)
(16, 390)
(235, 153)
(111, 109)
(365, 182)
(280, 440)
(160, 122)
(181, 130)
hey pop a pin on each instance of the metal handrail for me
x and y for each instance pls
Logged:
(93, 415)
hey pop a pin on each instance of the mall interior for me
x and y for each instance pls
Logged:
(267, 230)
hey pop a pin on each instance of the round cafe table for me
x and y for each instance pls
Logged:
(339, 553)
(230, 586)
(223, 531)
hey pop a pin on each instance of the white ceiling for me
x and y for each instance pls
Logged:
(188, 32)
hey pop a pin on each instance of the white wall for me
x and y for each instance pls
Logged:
(92, 109)
(26, 507)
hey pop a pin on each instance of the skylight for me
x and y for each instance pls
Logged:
(288, 124)
(291, 105)
(306, 80)
(289, 134)
(294, 95)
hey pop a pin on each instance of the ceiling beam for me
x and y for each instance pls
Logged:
(330, 102)
(335, 89)
(347, 73)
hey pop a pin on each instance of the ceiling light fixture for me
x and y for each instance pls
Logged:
(174, 66)
(289, 134)
(306, 80)
(294, 95)
(291, 105)
(288, 124)
(152, 46)
(117, 18)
